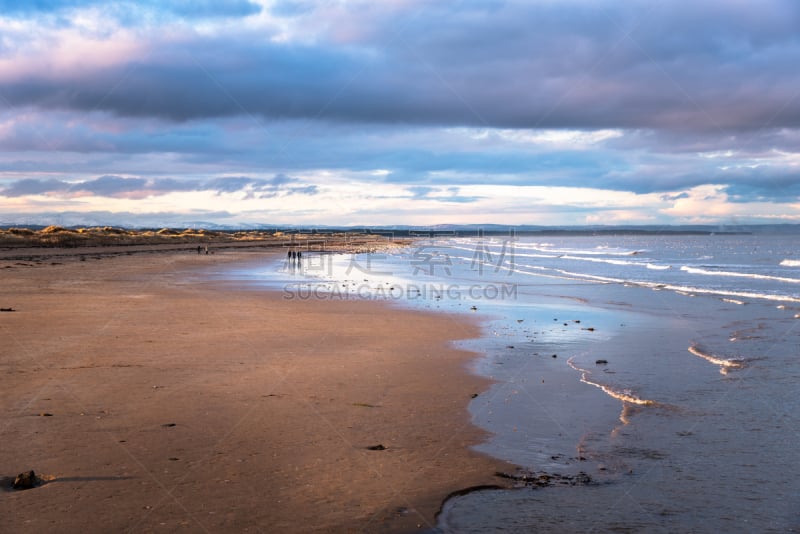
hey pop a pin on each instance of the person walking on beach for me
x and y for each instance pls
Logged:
(199, 249)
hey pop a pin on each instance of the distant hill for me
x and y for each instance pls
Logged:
(466, 230)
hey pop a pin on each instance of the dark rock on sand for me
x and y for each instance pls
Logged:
(25, 481)
(7, 309)
(378, 447)
(167, 425)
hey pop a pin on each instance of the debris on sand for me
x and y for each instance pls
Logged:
(26, 480)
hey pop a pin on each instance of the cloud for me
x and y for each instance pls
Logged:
(278, 185)
(242, 106)
(672, 198)
(182, 8)
(438, 194)
(682, 65)
(32, 186)
(137, 187)
(108, 186)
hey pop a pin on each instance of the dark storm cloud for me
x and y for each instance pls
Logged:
(679, 65)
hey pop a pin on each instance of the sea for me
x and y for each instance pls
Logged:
(642, 383)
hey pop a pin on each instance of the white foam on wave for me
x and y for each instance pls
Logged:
(725, 364)
(487, 254)
(790, 263)
(600, 260)
(551, 272)
(687, 290)
(697, 270)
(722, 292)
(597, 251)
(624, 395)
(733, 301)
(566, 254)
(609, 261)
(522, 255)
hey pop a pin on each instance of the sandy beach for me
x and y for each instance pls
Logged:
(150, 402)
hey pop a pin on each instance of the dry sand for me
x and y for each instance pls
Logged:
(197, 406)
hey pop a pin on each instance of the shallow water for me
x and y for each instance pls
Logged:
(689, 420)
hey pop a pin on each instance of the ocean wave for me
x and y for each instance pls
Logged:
(721, 292)
(486, 254)
(552, 272)
(790, 263)
(724, 363)
(523, 255)
(733, 301)
(600, 260)
(624, 395)
(691, 289)
(520, 268)
(706, 272)
(613, 261)
(597, 251)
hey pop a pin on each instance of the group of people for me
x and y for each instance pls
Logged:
(294, 260)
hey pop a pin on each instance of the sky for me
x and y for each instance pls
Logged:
(399, 112)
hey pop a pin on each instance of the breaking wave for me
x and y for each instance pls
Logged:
(697, 270)
(624, 395)
(725, 364)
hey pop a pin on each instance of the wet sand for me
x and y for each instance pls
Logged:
(152, 402)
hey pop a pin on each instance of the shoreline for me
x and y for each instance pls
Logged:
(274, 403)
